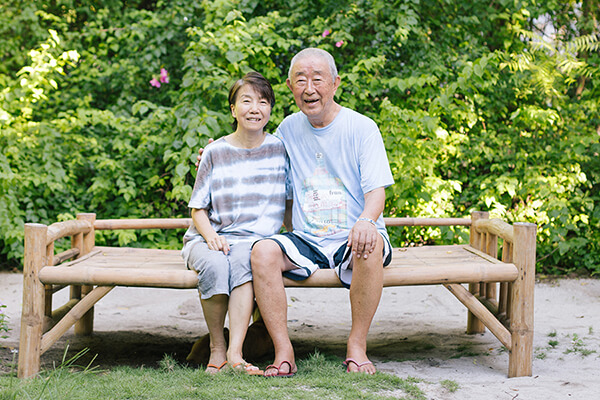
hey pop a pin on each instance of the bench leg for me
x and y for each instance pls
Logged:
(476, 241)
(521, 304)
(32, 314)
(85, 325)
(474, 325)
(86, 242)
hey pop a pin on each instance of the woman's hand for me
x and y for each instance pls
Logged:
(218, 243)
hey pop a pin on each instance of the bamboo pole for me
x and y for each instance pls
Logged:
(146, 223)
(491, 288)
(482, 313)
(66, 228)
(65, 255)
(473, 324)
(76, 313)
(85, 325)
(61, 311)
(495, 226)
(33, 301)
(492, 306)
(482, 245)
(48, 292)
(187, 279)
(522, 297)
(57, 288)
(137, 277)
(184, 223)
(427, 221)
(76, 243)
(504, 293)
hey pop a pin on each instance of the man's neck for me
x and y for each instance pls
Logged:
(327, 118)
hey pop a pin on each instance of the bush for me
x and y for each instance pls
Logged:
(478, 110)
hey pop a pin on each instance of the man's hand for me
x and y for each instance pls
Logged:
(363, 238)
(200, 151)
(363, 235)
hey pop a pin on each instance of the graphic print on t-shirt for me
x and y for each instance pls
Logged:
(323, 201)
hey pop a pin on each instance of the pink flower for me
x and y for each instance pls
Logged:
(339, 44)
(326, 32)
(164, 75)
(154, 82)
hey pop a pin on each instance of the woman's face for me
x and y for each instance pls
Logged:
(251, 111)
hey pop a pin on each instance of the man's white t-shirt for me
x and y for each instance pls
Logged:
(332, 168)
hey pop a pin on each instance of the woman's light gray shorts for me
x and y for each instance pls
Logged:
(219, 273)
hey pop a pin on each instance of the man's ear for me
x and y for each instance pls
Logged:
(288, 83)
(336, 83)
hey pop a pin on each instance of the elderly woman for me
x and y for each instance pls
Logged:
(240, 196)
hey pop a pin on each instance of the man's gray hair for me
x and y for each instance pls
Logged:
(314, 52)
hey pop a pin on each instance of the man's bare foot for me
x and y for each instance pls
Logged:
(284, 369)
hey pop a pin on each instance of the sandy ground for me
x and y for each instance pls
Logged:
(417, 332)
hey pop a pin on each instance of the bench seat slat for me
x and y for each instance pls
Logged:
(114, 266)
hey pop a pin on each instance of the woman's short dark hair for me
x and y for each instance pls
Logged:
(258, 82)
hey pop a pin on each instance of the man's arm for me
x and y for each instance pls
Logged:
(363, 235)
(200, 151)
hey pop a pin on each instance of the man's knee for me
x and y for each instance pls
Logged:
(374, 260)
(266, 254)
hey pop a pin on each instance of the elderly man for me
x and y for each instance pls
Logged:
(340, 171)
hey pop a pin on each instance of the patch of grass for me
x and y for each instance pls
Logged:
(578, 346)
(60, 382)
(465, 350)
(540, 353)
(450, 385)
(167, 364)
(319, 376)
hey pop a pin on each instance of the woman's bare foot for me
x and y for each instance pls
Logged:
(214, 368)
(217, 361)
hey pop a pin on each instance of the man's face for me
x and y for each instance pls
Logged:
(313, 88)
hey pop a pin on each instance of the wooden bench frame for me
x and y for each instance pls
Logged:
(500, 295)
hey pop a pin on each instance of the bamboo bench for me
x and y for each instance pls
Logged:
(499, 295)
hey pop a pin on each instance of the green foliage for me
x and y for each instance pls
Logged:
(4, 328)
(482, 106)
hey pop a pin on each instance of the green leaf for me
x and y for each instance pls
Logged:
(234, 56)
